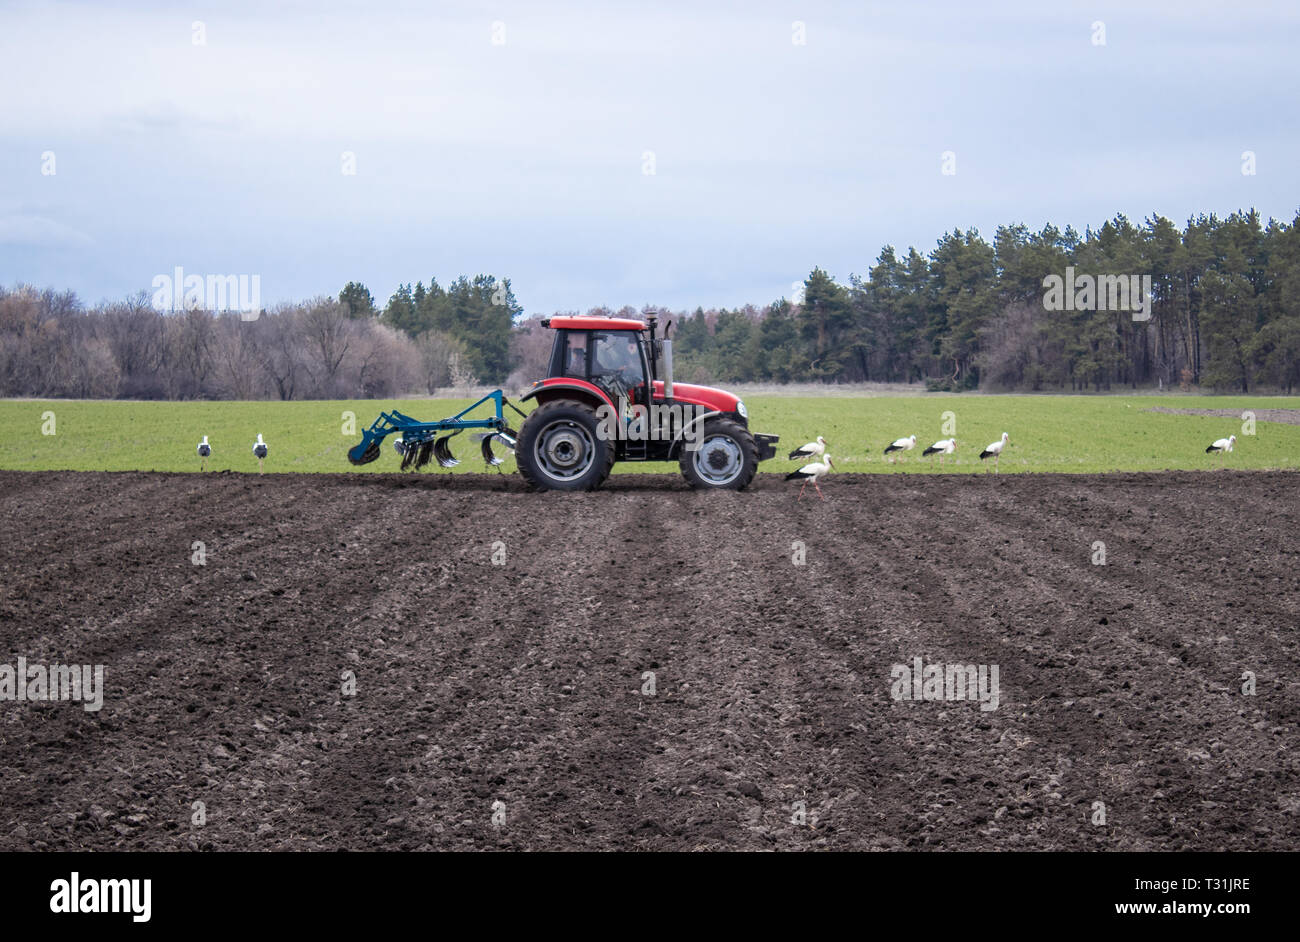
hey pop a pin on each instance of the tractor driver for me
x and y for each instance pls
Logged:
(621, 357)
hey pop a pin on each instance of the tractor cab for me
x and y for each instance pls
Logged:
(612, 358)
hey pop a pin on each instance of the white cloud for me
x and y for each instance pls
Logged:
(40, 232)
(525, 159)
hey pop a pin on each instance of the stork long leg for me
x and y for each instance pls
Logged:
(805, 484)
(819, 490)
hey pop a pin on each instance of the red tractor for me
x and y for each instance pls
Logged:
(609, 396)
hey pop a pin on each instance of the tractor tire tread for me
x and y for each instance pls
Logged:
(742, 435)
(523, 460)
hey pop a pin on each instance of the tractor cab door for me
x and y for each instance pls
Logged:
(618, 365)
(569, 358)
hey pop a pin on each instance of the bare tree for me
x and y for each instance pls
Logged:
(437, 351)
(281, 349)
(388, 363)
(328, 334)
(237, 361)
(135, 334)
(530, 350)
(190, 352)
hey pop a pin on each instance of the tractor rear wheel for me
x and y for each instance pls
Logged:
(559, 448)
(726, 458)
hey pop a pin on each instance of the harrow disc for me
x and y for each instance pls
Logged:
(369, 454)
(442, 451)
(505, 439)
(410, 452)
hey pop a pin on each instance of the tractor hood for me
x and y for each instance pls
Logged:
(716, 400)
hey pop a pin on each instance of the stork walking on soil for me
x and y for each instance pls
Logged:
(995, 450)
(942, 447)
(809, 474)
(259, 451)
(811, 450)
(204, 450)
(901, 444)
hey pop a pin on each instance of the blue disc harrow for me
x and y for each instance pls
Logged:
(421, 442)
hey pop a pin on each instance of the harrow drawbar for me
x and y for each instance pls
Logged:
(419, 443)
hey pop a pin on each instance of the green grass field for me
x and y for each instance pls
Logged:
(1082, 434)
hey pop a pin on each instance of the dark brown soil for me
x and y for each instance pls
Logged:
(478, 683)
(1285, 416)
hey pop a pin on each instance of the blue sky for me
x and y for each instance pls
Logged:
(525, 158)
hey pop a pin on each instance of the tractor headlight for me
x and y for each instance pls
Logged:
(740, 408)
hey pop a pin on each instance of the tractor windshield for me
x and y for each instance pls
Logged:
(617, 353)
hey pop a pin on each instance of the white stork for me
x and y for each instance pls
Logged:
(995, 450)
(901, 444)
(259, 451)
(810, 473)
(945, 446)
(1222, 446)
(811, 450)
(204, 450)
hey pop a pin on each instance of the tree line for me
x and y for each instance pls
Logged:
(1214, 305)
(51, 345)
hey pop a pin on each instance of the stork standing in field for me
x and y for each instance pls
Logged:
(942, 447)
(1222, 446)
(811, 450)
(901, 444)
(204, 450)
(809, 473)
(995, 450)
(259, 451)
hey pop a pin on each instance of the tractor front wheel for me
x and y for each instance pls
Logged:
(560, 448)
(726, 457)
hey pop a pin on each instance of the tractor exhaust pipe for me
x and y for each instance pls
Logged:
(668, 366)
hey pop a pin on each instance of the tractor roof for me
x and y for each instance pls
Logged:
(593, 323)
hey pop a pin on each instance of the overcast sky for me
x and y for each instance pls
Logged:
(526, 158)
